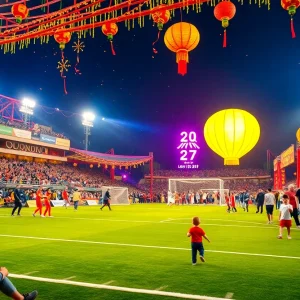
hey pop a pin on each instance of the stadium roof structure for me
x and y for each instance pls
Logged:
(107, 159)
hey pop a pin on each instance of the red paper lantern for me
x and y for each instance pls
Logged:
(291, 6)
(110, 29)
(75, 165)
(161, 17)
(62, 37)
(91, 166)
(20, 12)
(224, 12)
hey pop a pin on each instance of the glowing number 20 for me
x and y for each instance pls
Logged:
(184, 153)
(192, 137)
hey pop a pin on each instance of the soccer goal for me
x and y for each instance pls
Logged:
(118, 195)
(213, 188)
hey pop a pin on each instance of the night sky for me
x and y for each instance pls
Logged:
(146, 103)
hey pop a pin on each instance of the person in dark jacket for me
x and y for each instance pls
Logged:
(18, 202)
(260, 198)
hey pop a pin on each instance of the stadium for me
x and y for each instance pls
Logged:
(149, 150)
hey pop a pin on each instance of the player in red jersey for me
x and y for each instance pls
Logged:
(196, 233)
(47, 203)
(65, 197)
(227, 202)
(38, 200)
(232, 202)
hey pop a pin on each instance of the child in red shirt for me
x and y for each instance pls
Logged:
(196, 233)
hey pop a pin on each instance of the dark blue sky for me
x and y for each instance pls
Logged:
(258, 72)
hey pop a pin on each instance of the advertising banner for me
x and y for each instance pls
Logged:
(62, 142)
(5, 130)
(91, 202)
(24, 134)
(57, 203)
(47, 139)
(24, 147)
(31, 203)
(288, 156)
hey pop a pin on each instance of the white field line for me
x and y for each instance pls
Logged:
(143, 246)
(223, 220)
(30, 273)
(109, 282)
(162, 288)
(263, 226)
(68, 278)
(115, 288)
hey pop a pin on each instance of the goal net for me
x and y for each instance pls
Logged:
(118, 195)
(210, 190)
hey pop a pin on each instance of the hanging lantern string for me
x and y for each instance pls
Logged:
(158, 36)
(292, 28)
(112, 48)
(77, 71)
(225, 39)
(62, 74)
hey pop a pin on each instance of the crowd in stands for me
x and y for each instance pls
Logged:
(21, 125)
(226, 172)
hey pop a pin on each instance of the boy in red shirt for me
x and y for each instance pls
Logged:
(196, 233)
(39, 204)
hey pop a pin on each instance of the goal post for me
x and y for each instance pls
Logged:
(118, 195)
(208, 186)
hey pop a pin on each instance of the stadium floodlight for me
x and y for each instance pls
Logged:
(27, 108)
(87, 122)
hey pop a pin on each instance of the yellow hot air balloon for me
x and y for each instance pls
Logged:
(231, 133)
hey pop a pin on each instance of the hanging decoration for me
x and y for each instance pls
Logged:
(62, 37)
(160, 17)
(20, 12)
(78, 47)
(181, 38)
(291, 6)
(224, 12)
(110, 30)
(75, 165)
(91, 166)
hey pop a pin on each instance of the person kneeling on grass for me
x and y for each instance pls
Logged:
(285, 218)
(196, 233)
(7, 288)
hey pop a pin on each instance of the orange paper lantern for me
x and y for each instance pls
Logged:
(91, 166)
(291, 6)
(74, 165)
(20, 12)
(224, 12)
(181, 38)
(62, 37)
(110, 30)
(161, 17)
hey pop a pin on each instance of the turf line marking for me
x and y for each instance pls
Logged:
(30, 273)
(162, 288)
(229, 296)
(143, 246)
(68, 278)
(108, 282)
(115, 288)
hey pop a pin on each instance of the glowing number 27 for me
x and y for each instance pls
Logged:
(192, 137)
(184, 154)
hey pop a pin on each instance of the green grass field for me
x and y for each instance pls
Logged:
(103, 247)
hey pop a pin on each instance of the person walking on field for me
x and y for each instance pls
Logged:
(65, 197)
(38, 200)
(269, 203)
(18, 202)
(260, 198)
(232, 202)
(106, 200)
(76, 198)
(294, 201)
(47, 198)
(285, 216)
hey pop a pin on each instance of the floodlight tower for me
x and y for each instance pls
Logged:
(87, 122)
(27, 109)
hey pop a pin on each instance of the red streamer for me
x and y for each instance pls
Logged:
(182, 67)
(62, 74)
(293, 29)
(224, 39)
(112, 48)
(158, 36)
(77, 71)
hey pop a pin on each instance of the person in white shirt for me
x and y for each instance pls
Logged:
(269, 203)
(171, 198)
(285, 218)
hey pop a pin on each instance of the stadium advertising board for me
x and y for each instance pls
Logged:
(25, 147)
(287, 157)
(24, 134)
(48, 139)
(5, 130)
(188, 149)
(62, 142)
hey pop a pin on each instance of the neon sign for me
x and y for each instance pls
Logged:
(188, 149)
